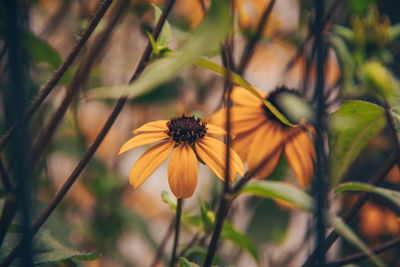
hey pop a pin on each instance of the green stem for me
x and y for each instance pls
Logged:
(177, 226)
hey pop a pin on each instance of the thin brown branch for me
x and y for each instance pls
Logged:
(78, 81)
(93, 148)
(249, 50)
(52, 82)
(161, 247)
(302, 46)
(362, 255)
(352, 212)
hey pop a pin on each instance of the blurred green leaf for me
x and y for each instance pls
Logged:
(381, 81)
(46, 249)
(185, 263)
(346, 61)
(356, 186)
(295, 107)
(240, 240)
(280, 190)
(346, 232)
(359, 5)
(267, 211)
(352, 126)
(205, 38)
(206, 63)
(164, 39)
(40, 51)
(167, 200)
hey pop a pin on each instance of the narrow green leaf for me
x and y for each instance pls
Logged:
(164, 39)
(346, 232)
(356, 186)
(46, 249)
(166, 199)
(185, 263)
(346, 61)
(280, 190)
(205, 38)
(208, 64)
(241, 240)
(352, 126)
(40, 51)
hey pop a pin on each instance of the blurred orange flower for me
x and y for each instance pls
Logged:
(259, 135)
(188, 136)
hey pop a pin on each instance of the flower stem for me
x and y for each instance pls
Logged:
(177, 227)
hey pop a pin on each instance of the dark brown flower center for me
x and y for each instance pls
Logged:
(273, 98)
(186, 129)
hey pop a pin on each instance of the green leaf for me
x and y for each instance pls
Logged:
(46, 249)
(206, 63)
(40, 51)
(166, 199)
(345, 231)
(352, 126)
(381, 81)
(267, 211)
(164, 39)
(356, 186)
(346, 61)
(280, 190)
(205, 38)
(241, 240)
(185, 263)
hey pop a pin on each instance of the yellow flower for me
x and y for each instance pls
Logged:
(260, 135)
(189, 138)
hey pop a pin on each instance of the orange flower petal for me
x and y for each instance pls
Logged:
(305, 159)
(215, 130)
(213, 153)
(242, 118)
(242, 143)
(142, 139)
(182, 171)
(299, 161)
(154, 126)
(267, 140)
(269, 167)
(243, 97)
(149, 162)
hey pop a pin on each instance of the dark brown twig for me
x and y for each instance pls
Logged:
(352, 212)
(302, 46)
(46, 89)
(161, 247)
(177, 230)
(249, 50)
(78, 81)
(92, 149)
(362, 255)
(224, 203)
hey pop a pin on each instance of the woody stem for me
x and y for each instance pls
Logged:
(177, 227)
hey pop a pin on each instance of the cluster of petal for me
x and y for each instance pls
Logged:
(261, 140)
(183, 163)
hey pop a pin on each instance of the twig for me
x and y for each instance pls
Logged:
(78, 81)
(224, 203)
(320, 184)
(92, 149)
(5, 178)
(300, 50)
(51, 83)
(249, 50)
(352, 212)
(161, 247)
(191, 243)
(177, 230)
(362, 255)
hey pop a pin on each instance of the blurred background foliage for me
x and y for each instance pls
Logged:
(108, 220)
